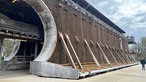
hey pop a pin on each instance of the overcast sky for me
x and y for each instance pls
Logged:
(130, 15)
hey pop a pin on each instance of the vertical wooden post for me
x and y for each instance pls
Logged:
(24, 53)
(1, 44)
(100, 35)
(110, 38)
(36, 50)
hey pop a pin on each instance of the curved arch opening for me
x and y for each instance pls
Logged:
(38, 19)
(21, 14)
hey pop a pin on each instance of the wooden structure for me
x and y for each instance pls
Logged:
(74, 40)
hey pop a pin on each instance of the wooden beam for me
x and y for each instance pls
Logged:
(103, 53)
(67, 50)
(133, 58)
(119, 55)
(92, 54)
(112, 54)
(78, 61)
(126, 59)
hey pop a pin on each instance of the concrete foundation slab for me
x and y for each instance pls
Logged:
(48, 69)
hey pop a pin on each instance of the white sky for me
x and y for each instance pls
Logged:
(130, 15)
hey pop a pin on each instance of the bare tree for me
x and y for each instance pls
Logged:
(140, 48)
(143, 45)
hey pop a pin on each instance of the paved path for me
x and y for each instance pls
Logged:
(131, 74)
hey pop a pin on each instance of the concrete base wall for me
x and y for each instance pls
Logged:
(47, 69)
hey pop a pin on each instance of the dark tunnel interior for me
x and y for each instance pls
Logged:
(20, 11)
(23, 12)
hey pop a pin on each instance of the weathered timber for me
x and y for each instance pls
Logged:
(61, 38)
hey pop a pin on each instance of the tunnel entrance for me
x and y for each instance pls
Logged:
(19, 21)
(33, 25)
